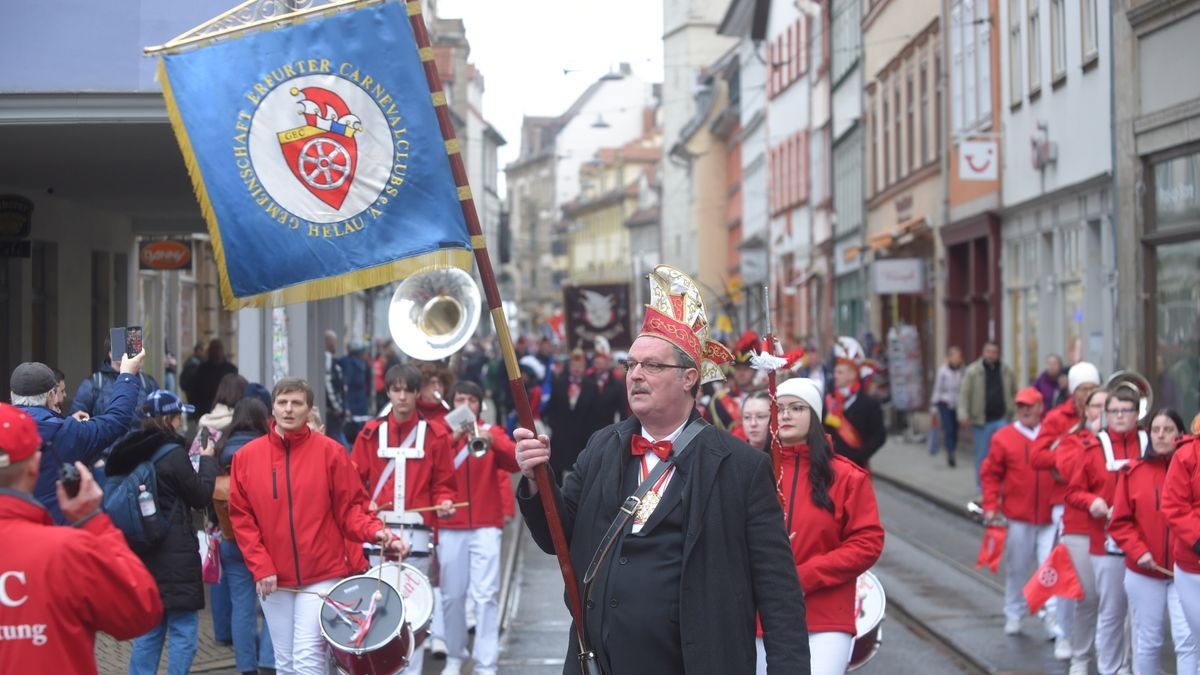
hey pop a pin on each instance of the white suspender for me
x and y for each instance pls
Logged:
(1110, 462)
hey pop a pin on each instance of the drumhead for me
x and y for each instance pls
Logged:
(870, 604)
(387, 622)
(414, 588)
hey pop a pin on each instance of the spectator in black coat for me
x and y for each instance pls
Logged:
(174, 562)
(571, 412)
(208, 377)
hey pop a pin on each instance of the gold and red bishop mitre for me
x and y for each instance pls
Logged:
(676, 314)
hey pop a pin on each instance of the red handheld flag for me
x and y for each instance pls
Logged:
(1055, 576)
(992, 548)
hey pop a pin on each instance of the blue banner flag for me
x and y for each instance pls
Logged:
(316, 156)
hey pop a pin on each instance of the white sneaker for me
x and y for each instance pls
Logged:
(1078, 668)
(1125, 670)
(1051, 626)
(452, 667)
(1062, 648)
(1012, 626)
(437, 646)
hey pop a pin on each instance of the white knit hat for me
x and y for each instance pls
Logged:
(806, 390)
(1082, 373)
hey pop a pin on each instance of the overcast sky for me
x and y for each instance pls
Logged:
(523, 47)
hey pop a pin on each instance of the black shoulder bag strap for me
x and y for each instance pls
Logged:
(685, 438)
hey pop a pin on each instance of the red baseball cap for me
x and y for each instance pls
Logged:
(1029, 396)
(19, 438)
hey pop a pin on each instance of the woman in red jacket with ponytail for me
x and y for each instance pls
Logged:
(1141, 530)
(833, 520)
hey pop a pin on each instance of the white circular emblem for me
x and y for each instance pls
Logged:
(324, 163)
(1048, 577)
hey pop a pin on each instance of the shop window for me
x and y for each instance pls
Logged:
(1176, 303)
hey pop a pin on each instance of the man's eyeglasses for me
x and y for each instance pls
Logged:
(1121, 411)
(652, 367)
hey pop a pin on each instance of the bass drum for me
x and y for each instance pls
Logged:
(387, 646)
(870, 605)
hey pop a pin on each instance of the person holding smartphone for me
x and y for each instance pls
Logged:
(95, 394)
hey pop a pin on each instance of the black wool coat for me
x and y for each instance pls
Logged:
(175, 561)
(736, 557)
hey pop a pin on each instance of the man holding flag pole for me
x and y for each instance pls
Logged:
(328, 141)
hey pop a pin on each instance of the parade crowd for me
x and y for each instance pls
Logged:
(696, 576)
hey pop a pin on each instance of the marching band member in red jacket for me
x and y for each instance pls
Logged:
(1082, 379)
(1181, 506)
(1141, 530)
(1077, 530)
(1093, 488)
(833, 520)
(60, 585)
(1011, 485)
(294, 500)
(415, 422)
(469, 541)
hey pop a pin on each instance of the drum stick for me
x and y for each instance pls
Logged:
(298, 590)
(423, 509)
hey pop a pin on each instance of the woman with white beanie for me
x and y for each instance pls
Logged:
(833, 520)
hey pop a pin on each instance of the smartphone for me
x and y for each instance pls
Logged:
(204, 435)
(133, 340)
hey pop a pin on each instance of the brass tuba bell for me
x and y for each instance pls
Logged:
(1139, 384)
(434, 313)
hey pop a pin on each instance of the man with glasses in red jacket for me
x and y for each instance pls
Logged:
(294, 500)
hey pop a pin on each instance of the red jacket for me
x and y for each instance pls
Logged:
(62, 584)
(1066, 457)
(1091, 479)
(831, 549)
(1138, 524)
(1010, 483)
(427, 481)
(1055, 425)
(1181, 505)
(293, 503)
(480, 481)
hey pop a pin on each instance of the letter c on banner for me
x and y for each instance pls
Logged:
(5, 598)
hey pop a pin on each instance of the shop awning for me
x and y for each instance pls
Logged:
(898, 235)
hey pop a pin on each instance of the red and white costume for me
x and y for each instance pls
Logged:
(1095, 476)
(1014, 487)
(294, 501)
(1181, 506)
(1140, 527)
(469, 548)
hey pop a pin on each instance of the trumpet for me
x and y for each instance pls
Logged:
(478, 444)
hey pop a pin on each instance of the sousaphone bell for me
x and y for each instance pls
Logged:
(1138, 383)
(434, 313)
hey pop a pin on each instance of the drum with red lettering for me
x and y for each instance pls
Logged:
(870, 605)
(363, 621)
(416, 591)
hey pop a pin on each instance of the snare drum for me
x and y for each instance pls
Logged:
(416, 591)
(387, 647)
(870, 605)
(419, 538)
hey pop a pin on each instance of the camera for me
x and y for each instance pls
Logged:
(70, 478)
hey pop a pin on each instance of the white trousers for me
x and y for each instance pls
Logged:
(470, 561)
(1083, 626)
(829, 653)
(295, 623)
(1149, 600)
(1187, 586)
(1112, 634)
(1025, 547)
(1064, 608)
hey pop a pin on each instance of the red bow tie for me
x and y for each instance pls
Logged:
(660, 448)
